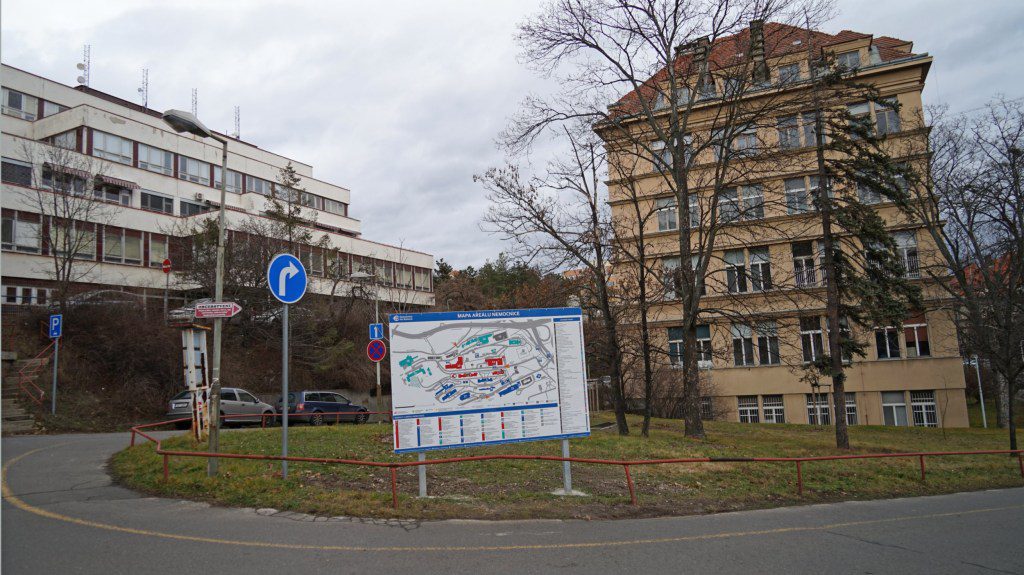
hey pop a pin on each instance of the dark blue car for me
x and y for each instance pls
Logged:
(320, 407)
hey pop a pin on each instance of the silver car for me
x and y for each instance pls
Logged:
(233, 401)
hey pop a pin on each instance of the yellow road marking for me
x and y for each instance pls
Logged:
(20, 504)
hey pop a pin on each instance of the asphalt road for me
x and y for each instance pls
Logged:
(61, 514)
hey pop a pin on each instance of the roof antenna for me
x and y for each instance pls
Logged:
(144, 89)
(238, 122)
(83, 80)
(195, 102)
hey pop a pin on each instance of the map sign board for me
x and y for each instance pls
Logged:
(461, 379)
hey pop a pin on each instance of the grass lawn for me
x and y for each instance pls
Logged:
(522, 489)
(974, 412)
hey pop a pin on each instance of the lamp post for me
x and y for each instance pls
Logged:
(376, 319)
(184, 122)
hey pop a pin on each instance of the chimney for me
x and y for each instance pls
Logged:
(760, 72)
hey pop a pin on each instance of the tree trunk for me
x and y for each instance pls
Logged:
(693, 426)
(1003, 406)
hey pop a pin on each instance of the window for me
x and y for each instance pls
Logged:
(706, 412)
(748, 408)
(334, 207)
(80, 238)
(742, 345)
(851, 408)
(735, 271)
(156, 160)
(887, 342)
(848, 60)
(257, 186)
(403, 276)
(662, 156)
(887, 116)
(906, 249)
(922, 404)
(845, 335)
(666, 208)
(803, 264)
(20, 105)
(20, 234)
(386, 274)
(21, 295)
(773, 408)
(422, 279)
(112, 147)
(65, 181)
(728, 206)
(810, 338)
(234, 180)
(17, 172)
(894, 408)
(157, 203)
(760, 269)
(789, 133)
(707, 89)
(313, 261)
(810, 129)
(671, 278)
(337, 264)
(228, 395)
(703, 333)
(675, 345)
(860, 117)
(790, 73)
(158, 249)
(113, 194)
(797, 199)
(818, 409)
(694, 202)
(186, 209)
(122, 246)
(915, 332)
(67, 140)
(768, 343)
(868, 194)
(752, 198)
(193, 170)
(746, 141)
(51, 108)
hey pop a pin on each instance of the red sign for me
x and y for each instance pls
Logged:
(166, 266)
(217, 309)
(376, 350)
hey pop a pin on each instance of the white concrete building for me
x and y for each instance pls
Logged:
(154, 179)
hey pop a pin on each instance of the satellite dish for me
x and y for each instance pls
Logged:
(81, 79)
(80, 66)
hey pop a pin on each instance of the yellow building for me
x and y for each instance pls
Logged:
(762, 320)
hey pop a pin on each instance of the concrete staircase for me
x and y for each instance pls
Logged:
(16, 418)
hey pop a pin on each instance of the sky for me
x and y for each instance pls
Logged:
(401, 102)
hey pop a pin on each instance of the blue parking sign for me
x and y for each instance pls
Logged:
(56, 325)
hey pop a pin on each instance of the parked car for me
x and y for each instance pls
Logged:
(320, 407)
(185, 314)
(233, 401)
(103, 297)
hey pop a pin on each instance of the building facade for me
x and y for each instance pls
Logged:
(153, 183)
(763, 318)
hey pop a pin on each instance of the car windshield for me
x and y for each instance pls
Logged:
(182, 395)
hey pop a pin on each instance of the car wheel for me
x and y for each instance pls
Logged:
(363, 417)
(268, 419)
(223, 422)
(316, 419)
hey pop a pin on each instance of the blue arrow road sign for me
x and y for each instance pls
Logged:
(286, 278)
(56, 325)
(376, 331)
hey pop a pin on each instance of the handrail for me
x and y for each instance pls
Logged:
(624, 463)
(27, 375)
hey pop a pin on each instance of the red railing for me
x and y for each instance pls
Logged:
(624, 463)
(28, 374)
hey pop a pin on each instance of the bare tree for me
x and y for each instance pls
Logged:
(71, 199)
(970, 195)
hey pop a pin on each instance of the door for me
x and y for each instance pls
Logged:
(250, 405)
(229, 404)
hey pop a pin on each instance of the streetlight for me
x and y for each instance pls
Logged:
(376, 319)
(184, 122)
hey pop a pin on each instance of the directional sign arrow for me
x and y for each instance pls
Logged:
(282, 278)
(217, 309)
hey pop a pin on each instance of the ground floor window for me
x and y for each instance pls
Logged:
(922, 403)
(894, 408)
(851, 409)
(748, 409)
(706, 412)
(817, 409)
(774, 410)
(20, 295)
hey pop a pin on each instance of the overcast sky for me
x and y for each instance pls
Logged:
(401, 101)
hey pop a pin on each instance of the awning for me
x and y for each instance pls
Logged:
(118, 182)
(71, 171)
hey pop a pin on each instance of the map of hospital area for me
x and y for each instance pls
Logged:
(469, 378)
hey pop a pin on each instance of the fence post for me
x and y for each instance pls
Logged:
(132, 444)
(799, 480)
(394, 487)
(1020, 462)
(921, 457)
(167, 473)
(629, 482)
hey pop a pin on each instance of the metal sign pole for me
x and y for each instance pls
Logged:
(53, 395)
(284, 391)
(167, 286)
(981, 392)
(566, 469)
(422, 472)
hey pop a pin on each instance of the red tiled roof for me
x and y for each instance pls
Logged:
(779, 40)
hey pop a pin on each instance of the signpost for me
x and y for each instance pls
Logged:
(376, 331)
(286, 278)
(217, 309)
(56, 329)
(490, 377)
(166, 267)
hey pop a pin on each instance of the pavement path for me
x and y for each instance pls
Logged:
(62, 514)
